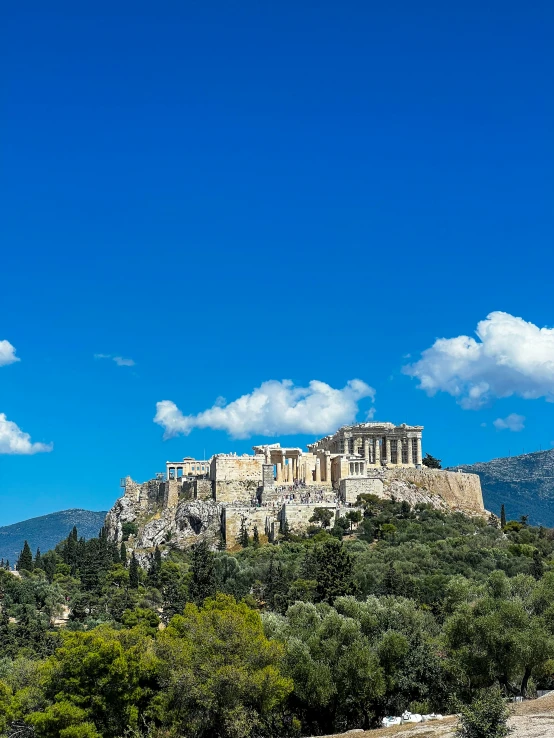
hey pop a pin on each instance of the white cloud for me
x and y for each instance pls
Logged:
(119, 360)
(510, 357)
(512, 422)
(7, 353)
(274, 408)
(14, 441)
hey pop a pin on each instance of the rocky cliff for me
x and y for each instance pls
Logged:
(160, 516)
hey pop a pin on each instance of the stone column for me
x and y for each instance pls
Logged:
(328, 467)
(317, 470)
(410, 459)
(418, 460)
(366, 450)
(377, 454)
(399, 452)
(387, 451)
(279, 474)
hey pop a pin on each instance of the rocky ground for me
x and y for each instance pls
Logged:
(532, 719)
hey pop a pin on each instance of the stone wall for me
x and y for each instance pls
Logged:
(264, 518)
(460, 491)
(455, 490)
(298, 516)
(351, 487)
(238, 468)
(235, 491)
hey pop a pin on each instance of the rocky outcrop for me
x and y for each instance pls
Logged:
(179, 525)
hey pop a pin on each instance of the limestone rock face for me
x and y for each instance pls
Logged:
(180, 525)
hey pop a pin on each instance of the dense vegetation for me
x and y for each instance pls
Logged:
(412, 609)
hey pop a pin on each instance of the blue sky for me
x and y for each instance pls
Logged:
(230, 194)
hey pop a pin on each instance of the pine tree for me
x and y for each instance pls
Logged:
(123, 554)
(502, 517)
(38, 559)
(203, 582)
(133, 572)
(256, 537)
(25, 561)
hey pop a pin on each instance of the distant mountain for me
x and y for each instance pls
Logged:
(47, 530)
(525, 484)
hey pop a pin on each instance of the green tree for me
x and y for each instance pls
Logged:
(134, 572)
(243, 539)
(323, 516)
(431, 462)
(334, 570)
(123, 554)
(25, 560)
(100, 679)
(486, 717)
(354, 517)
(255, 537)
(203, 581)
(502, 516)
(230, 669)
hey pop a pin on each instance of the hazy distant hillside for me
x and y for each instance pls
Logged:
(525, 484)
(47, 530)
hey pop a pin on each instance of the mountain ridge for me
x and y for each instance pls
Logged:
(523, 483)
(45, 531)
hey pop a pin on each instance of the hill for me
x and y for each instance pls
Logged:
(525, 484)
(47, 530)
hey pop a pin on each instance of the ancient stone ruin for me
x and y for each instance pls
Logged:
(277, 488)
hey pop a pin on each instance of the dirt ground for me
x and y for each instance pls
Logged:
(532, 719)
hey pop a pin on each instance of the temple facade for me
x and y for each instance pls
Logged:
(353, 451)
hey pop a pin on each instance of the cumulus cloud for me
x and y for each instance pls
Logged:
(510, 357)
(14, 441)
(274, 408)
(512, 422)
(7, 353)
(119, 360)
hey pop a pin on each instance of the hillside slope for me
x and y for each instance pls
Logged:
(525, 484)
(47, 530)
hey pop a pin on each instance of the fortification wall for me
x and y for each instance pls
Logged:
(459, 490)
(351, 487)
(264, 518)
(298, 516)
(236, 491)
(238, 468)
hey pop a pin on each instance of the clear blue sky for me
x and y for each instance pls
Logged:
(229, 193)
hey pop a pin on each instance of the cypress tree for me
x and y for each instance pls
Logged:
(502, 517)
(25, 561)
(256, 537)
(123, 554)
(335, 571)
(243, 539)
(133, 572)
(537, 567)
(155, 567)
(49, 565)
(203, 582)
(38, 559)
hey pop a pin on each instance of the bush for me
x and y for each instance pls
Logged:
(485, 717)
